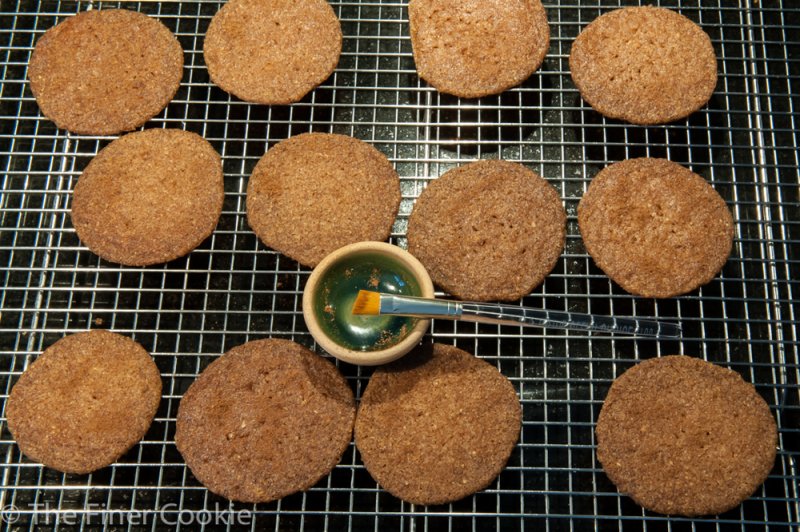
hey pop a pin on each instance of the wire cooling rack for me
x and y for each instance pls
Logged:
(233, 289)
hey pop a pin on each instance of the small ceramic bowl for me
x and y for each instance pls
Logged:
(331, 291)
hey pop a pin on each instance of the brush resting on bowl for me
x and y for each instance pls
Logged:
(338, 290)
(333, 287)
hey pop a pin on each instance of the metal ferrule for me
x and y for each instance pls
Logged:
(419, 307)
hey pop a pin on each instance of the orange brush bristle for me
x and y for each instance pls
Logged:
(367, 303)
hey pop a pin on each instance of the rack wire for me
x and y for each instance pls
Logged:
(233, 289)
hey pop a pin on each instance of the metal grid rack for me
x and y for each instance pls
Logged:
(233, 289)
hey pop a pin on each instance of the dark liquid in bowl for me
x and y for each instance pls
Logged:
(338, 289)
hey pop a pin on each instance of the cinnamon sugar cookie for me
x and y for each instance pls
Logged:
(266, 419)
(682, 436)
(437, 425)
(149, 197)
(316, 192)
(488, 230)
(84, 402)
(272, 51)
(474, 48)
(106, 71)
(655, 227)
(645, 65)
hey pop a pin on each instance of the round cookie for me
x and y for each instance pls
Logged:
(267, 419)
(437, 425)
(314, 193)
(84, 402)
(104, 72)
(488, 230)
(272, 51)
(685, 437)
(473, 48)
(655, 227)
(644, 65)
(149, 197)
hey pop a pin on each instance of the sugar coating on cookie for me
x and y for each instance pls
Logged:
(84, 402)
(682, 436)
(655, 227)
(437, 425)
(488, 230)
(316, 192)
(149, 197)
(474, 48)
(267, 419)
(272, 51)
(644, 65)
(106, 71)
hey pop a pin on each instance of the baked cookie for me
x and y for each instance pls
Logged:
(149, 197)
(84, 402)
(644, 65)
(314, 193)
(272, 51)
(437, 425)
(655, 227)
(106, 71)
(267, 419)
(683, 436)
(473, 48)
(488, 230)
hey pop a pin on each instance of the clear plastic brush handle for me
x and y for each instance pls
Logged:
(492, 313)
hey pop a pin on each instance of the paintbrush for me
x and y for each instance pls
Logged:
(375, 303)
